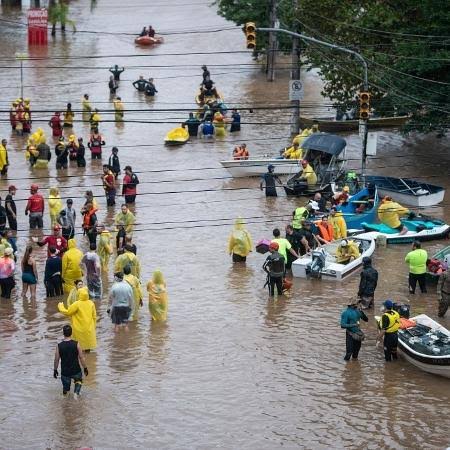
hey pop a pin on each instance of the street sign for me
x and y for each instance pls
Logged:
(37, 26)
(295, 90)
(371, 149)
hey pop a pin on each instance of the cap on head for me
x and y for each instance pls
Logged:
(367, 261)
(388, 304)
(274, 246)
(34, 188)
(344, 243)
(304, 162)
(346, 189)
(314, 205)
(270, 167)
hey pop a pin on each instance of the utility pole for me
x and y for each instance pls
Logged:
(273, 40)
(295, 73)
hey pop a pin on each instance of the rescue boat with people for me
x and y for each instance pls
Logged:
(420, 228)
(361, 207)
(148, 41)
(257, 166)
(426, 345)
(208, 99)
(177, 136)
(408, 192)
(325, 153)
(322, 262)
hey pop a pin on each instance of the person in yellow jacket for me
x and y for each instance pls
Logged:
(389, 213)
(104, 248)
(158, 300)
(240, 242)
(71, 270)
(128, 258)
(137, 292)
(308, 174)
(83, 318)
(388, 327)
(347, 251)
(86, 105)
(3, 157)
(337, 221)
(95, 120)
(118, 109)
(294, 152)
(54, 205)
(73, 295)
(302, 136)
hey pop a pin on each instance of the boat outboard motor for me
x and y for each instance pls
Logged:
(314, 268)
(403, 310)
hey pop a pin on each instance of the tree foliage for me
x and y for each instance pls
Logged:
(406, 44)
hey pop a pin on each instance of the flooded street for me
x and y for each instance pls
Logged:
(231, 369)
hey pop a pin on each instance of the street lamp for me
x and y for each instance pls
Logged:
(20, 57)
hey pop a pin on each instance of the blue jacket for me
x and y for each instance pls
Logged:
(350, 317)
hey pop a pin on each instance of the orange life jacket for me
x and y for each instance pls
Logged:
(240, 153)
(326, 231)
(87, 218)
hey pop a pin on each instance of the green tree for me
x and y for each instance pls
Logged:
(406, 44)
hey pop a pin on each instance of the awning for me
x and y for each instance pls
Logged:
(324, 142)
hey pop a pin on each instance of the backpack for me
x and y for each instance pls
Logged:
(134, 179)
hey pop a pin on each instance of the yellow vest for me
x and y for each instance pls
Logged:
(394, 321)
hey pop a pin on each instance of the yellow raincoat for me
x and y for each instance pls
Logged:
(86, 106)
(343, 254)
(126, 220)
(302, 136)
(83, 317)
(389, 213)
(118, 110)
(339, 225)
(54, 205)
(309, 175)
(240, 241)
(137, 295)
(293, 153)
(71, 270)
(132, 260)
(3, 156)
(158, 301)
(104, 248)
(73, 296)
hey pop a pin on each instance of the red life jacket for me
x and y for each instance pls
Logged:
(87, 218)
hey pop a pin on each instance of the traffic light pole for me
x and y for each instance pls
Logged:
(295, 74)
(271, 56)
(342, 49)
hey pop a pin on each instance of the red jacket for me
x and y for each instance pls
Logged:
(129, 188)
(58, 242)
(35, 204)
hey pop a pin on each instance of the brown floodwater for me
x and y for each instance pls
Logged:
(231, 368)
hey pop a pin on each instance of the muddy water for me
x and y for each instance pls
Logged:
(230, 369)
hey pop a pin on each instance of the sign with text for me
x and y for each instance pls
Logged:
(295, 90)
(37, 26)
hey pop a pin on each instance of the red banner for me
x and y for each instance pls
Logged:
(37, 26)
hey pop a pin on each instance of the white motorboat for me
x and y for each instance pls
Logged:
(321, 263)
(426, 345)
(255, 167)
(408, 192)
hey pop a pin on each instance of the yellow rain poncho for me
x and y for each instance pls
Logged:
(344, 253)
(118, 110)
(83, 317)
(339, 225)
(293, 153)
(302, 136)
(73, 296)
(71, 270)
(389, 213)
(158, 301)
(3, 156)
(309, 175)
(126, 220)
(86, 105)
(130, 259)
(104, 249)
(240, 241)
(137, 295)
(54, 205)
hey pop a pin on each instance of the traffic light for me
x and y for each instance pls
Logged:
(250, 34)
(364, 105)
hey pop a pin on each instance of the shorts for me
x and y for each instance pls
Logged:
(120, 315)
(28, 278)
(36, 220)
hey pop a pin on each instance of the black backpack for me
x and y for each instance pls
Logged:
(134, 179)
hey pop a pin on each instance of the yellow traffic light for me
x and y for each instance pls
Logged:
(364, 105)
(250, 34)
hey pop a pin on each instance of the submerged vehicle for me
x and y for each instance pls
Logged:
(326, 155)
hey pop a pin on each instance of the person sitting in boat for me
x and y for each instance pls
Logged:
(144, 32)
(240, 152)
(389, 213)
(338, 223)
(140, 84)
(326, 230)
(302, 136)
(347, 251)
(151, 32)
(293, 152)
(308, 174)
(341, 197)
(207, 129)
(150, 88)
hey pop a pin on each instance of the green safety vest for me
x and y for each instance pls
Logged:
(299, 214)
